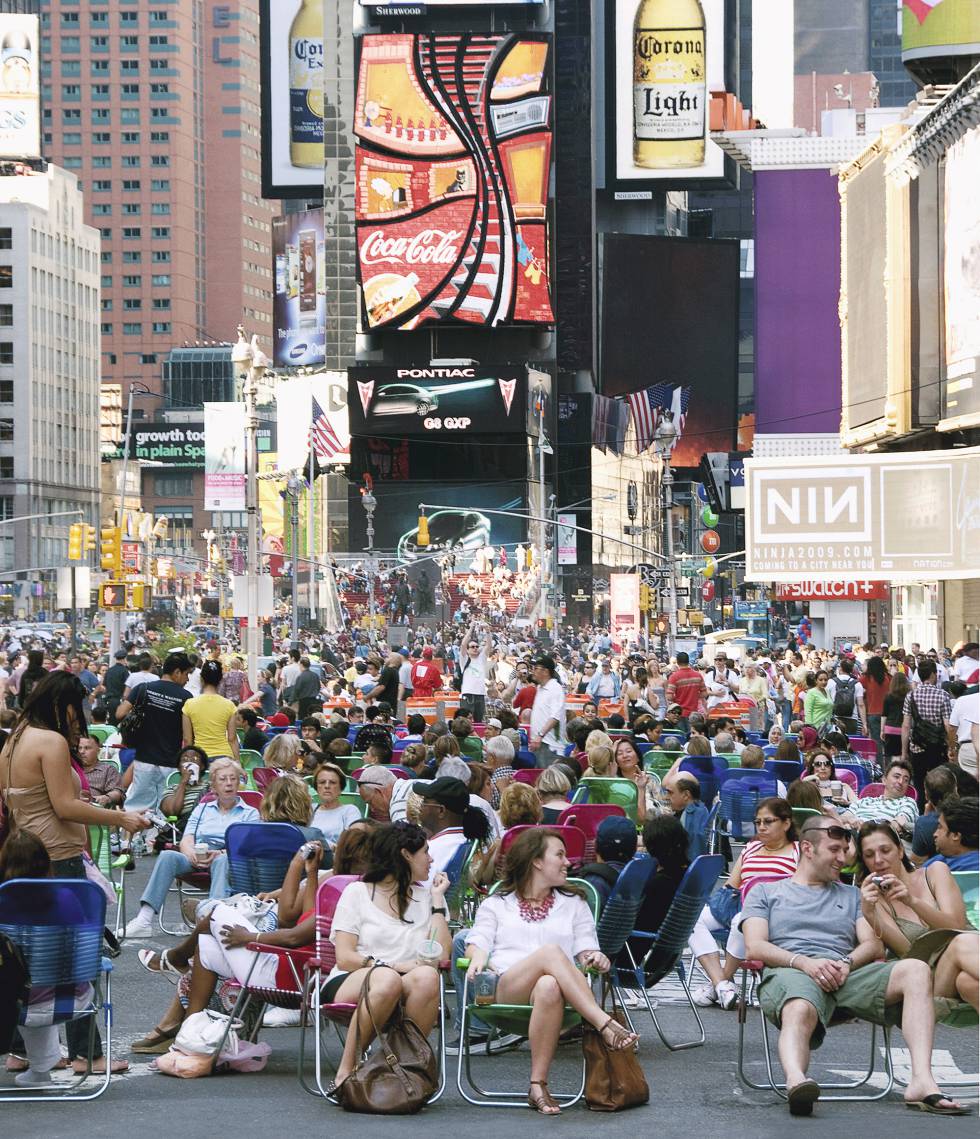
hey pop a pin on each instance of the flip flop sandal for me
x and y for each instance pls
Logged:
(930, 1104)
(155, 1043)
(163, 967)
(802, 1097)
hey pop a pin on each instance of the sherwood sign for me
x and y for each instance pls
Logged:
(898, 517)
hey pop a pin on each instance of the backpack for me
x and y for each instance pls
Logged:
(844, 696)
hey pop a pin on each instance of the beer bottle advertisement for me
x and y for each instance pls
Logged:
(664, 59)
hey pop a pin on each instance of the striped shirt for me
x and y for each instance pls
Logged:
(759, 864)
(686, 687)
(876, 809)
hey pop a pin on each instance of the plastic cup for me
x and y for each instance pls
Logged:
(430, 953)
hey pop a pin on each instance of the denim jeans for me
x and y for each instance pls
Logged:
(148, 787)
(169, 865)
(459, 979)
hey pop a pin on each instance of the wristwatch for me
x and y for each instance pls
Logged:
(439, 910)
(848, 959)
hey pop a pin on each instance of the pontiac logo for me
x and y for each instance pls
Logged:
(428, 247)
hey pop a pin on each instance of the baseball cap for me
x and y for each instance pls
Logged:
(449, 792)
(403, 651)
(279, 720)
(675, 708)
(374, 775)
(427, 652)
(493, 722)
(545, 662)
(616, 839)
(121, 655)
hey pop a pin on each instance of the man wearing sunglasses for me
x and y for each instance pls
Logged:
(820, 956)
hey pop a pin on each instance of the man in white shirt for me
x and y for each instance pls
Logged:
(967, 665)
(289, 675)
(547, 734)
(721, 682)
(965, 718)
(473, 667)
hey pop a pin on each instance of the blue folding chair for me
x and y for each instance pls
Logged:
(702, 767)
(58, 924)
(785, 770)
(859, 772)
(667, 945)
(739, 798)
(524, 759)
(259, 855)
(619, 914)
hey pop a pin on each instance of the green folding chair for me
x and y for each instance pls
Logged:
(355, 798)
(510, 1019)
(968, 882)
(114, 868)
(616, 792)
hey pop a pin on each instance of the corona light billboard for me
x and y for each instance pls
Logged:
(898, 517)
(453, 158)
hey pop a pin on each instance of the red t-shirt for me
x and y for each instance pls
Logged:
(524, 699)
(684, 687)
(426, 678)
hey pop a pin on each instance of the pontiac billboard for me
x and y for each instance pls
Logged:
(897, 517)
(428, 400)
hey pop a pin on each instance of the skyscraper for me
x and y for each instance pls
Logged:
(154, 104)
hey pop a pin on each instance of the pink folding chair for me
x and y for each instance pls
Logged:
(864, 747)
(529, 775)
(263, 776)
(587, 817)
(874, 790)
(573, 837)
(847, 777)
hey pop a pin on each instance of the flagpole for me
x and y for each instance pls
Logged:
(310, 529)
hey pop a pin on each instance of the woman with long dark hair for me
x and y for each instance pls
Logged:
(876, 685)
(534, 931)
(42, 791)
(892, 714)
(387, 919)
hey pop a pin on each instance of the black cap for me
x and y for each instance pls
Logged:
(451, 793)
(122, 654)
(546, 662)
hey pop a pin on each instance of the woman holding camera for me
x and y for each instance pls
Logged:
(918, 913)
(537, 933)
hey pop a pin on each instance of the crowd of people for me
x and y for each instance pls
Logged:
(853, 773)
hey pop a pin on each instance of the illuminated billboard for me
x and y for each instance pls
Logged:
(453, 159)
(429, 401)
(291, 46)
(961, 284)
(299, 299)
(660, 73)
(934, 29)
(20, 94)
(899, 517)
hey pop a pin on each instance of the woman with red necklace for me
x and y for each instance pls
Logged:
(534, 931)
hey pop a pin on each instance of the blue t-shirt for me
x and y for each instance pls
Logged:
(968, 861)
(208, 823)
(694, 819)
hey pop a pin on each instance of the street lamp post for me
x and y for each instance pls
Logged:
(664, 439)
(544, 448)
(115, 616)
(250, 363)
(293, 487)
(370, 504)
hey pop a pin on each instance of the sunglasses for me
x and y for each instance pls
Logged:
(843, 834)
(768, 822)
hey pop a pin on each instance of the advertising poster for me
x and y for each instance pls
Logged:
(459, 525)
(567, 540)
(20, 94)
(294, 417)
(299, 300)
(428, 402)
(892, 516)
(224, 456)
(624, 606)
(660, 73)
(291, 45)
(453, 159)
(961, 284)
(939, 27)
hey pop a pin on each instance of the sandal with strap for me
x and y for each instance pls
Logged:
(162, 966)
(543, 1102)
(616, 1037)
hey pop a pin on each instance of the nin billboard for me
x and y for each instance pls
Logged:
(291, 49)
(453, 159)
(670, 315)
(299, 300)
(429, 401)
(900, 517)
(20, 94)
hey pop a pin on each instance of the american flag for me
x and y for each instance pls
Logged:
(323, 439)
(646, 407)
(678, 405)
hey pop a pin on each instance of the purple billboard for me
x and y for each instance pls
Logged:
(797, 284)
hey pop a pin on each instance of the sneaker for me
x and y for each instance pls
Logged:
(478, 1044)
(281, 1018)
(727, 995)
(139, 927)
(633, 998)
(32, 1079)
(703, 996)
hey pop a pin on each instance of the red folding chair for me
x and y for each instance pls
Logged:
(875, 790)
(529, 775)
(864, 747)
(847, 777)
(587, 817)
(263, 776)
(573, 837)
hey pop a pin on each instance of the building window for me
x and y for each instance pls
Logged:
(161, 326)
(159, 136)
(160, 208)
(6, 276)
(6, 237)
(130, 160)
(160, 184)
(132, 304)
(71, 115)
(133, 329)
(148, 358)
(6, 431)
(174, 486)
(105, 328)
(132, 257)
(129, 115)
(158, 303)
(130, 90)
(131, 138)
(6, 351)
(7, 314)
(102, 185)
(160, 255)
(102, 138)
(100, 67)
(101, 161)
(160, 160)
(6, 391)
(160, 231)
(132, 232)
(6, 467)
(100, 115)
(132, 281)
(131, 185)
(106, 282)
(161, 279)
(132, 208)
(102, 209)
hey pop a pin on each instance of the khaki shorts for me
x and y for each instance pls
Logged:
(862, 995)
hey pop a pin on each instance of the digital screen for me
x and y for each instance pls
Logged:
(299, 299)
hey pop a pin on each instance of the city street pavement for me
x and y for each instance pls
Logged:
(695, 1092)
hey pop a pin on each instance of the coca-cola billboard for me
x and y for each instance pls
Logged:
(453, 160)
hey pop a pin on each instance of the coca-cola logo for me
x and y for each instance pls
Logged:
(428, 247)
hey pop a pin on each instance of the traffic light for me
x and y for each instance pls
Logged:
(423, 535)
(89, 538)
(111, 549)
(76, 533)
(644, 596)
(112, 595)
(137, 595)
(662, 626)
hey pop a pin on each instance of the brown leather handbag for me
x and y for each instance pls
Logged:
(399, 1076)
(613, 1080)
